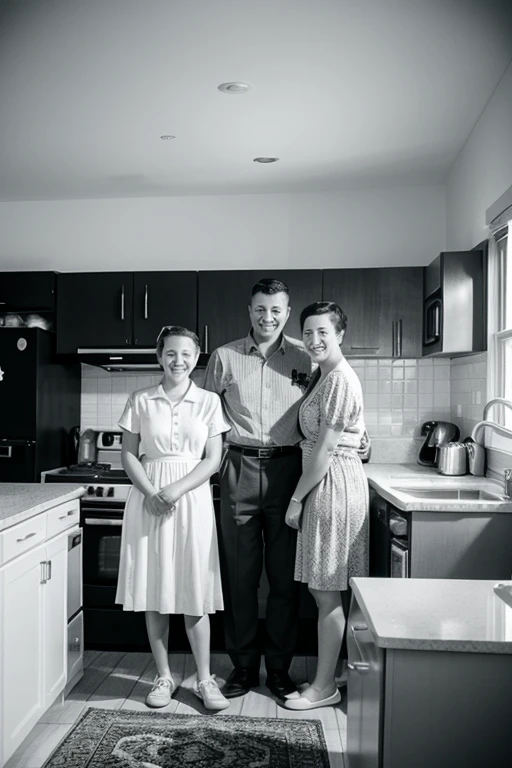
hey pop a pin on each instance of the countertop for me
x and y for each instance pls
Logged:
(383, 478)
(435, 614)
(19, 501)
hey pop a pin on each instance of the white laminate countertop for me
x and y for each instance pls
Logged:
(19, 501)
(435, 614)
(384, 477)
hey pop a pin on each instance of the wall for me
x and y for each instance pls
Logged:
(372, 227)
(482, 171)
(399, 395)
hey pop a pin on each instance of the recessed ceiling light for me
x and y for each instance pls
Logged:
(265, 160)
(167, 136)
(235, 87)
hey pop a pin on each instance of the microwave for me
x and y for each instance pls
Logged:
(432, 320)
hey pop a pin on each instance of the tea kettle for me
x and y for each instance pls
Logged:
(452, 459)
(436, 433)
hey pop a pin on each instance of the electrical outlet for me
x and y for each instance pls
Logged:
(459, 409)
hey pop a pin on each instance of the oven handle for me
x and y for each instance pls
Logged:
(102, 521)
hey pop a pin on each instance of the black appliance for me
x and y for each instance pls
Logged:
(39, 404)
(436, 434)
(389, 539)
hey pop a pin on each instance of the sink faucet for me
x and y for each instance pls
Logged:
(495, 401)
(491, 424)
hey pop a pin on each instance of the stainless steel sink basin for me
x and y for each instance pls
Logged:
(441, 494)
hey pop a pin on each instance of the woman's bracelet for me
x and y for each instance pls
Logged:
(297, 501)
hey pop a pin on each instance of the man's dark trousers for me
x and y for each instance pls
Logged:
(255, 493)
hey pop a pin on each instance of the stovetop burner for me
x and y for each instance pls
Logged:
(88, 466)
(89, 473)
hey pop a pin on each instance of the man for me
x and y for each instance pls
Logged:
(255, 378)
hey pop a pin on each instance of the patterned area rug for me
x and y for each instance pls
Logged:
(109, 739)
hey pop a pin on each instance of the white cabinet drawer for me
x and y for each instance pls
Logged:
(22, 537)
(62, 517)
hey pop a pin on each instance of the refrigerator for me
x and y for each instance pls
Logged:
(39, 404)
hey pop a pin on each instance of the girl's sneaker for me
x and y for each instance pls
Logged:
(208, 690)
(161, 692)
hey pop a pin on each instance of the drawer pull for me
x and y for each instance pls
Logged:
(68, 514)
(358, 666)
(28, 536)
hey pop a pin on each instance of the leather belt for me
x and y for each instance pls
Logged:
(270, 452)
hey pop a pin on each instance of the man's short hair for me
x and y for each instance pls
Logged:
(269, 286)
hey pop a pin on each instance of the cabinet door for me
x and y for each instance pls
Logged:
(21, 663)
(94, 310)
(224, 296)
(55, 619)
(27, 290)
(383, 308)
(163, 298)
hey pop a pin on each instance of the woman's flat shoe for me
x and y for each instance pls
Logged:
(303, 703)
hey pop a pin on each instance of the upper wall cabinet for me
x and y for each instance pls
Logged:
(455, 302)
(27, 291)
(119, 309)
(224, 297)
(383, 308)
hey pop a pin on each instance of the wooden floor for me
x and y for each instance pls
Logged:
(116, 680)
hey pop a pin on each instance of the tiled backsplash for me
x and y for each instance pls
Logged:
(399, 395)
(468, 391)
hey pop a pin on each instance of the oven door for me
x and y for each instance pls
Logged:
(102, 528)
(399, 559)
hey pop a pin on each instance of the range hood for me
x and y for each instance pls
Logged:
(126, 359)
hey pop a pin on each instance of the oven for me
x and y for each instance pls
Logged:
(106, 624)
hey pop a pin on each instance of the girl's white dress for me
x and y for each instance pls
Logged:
(170, 563)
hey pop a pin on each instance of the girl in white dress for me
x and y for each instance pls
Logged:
(172, 444)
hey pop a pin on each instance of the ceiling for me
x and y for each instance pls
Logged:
(347, 93)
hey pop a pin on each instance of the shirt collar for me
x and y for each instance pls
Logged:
(193, 395)
(250, 344)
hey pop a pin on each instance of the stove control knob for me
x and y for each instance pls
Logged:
(99, 491)
(90, 490)
(110, 491)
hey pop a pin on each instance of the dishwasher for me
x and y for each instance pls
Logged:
(75, 614)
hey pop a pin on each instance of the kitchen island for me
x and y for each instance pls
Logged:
(430, 674)
(40, 545)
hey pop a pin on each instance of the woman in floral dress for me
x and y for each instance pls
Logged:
(330, 503)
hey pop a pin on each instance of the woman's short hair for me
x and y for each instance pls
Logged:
(336, 315)
(269, 286)
(174, 330)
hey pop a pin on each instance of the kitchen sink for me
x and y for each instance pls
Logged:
(442, 493)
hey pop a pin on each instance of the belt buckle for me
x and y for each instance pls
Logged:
(265, 453)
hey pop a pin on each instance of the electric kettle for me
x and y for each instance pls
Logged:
(436, 434)
(452, 459)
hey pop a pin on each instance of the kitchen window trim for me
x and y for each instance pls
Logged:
(499, 327)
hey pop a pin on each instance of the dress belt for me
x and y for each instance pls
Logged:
(270, 452)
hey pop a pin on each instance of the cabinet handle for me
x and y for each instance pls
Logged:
(146, 303)
(49, 570)
(358, 666)
(5, 451)
(28, 536)
(68, 514)
(399, 337)
(206, 339)
(122, 302)
(43, 578)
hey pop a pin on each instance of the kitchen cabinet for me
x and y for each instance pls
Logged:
(455, 303)
(466, 544)
(224, 296)
(122, 309)
(33, 606)
(383, 308)
(27, 291)
(411, 700)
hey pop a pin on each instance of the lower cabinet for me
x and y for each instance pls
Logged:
(33, 634)
(424, 708)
